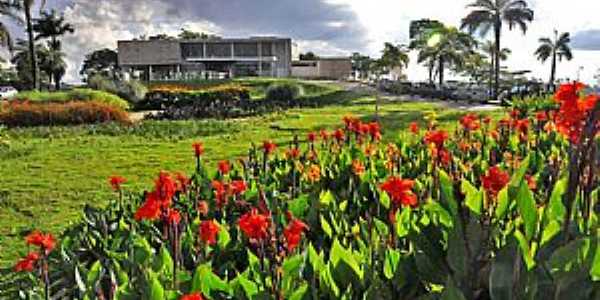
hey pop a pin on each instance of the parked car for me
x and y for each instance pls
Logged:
(7, 92)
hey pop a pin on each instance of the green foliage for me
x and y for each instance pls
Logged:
(133, 91)
(73, 95)
(288, 92)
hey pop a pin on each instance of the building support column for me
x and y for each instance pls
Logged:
(149, 72)
(259, 50)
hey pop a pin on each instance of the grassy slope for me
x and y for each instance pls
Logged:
(50, 174)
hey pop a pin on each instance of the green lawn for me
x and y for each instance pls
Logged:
(49, 174)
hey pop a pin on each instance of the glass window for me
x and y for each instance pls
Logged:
(218, 50)
(246, 49)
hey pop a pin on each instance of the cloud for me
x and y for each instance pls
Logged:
(586, 40)
(325, 28)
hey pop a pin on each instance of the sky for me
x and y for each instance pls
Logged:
(326, 27)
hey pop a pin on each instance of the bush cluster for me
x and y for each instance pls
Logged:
(132, 90)
(283, 92)
(81, 95)
(27, 114)
(177, 96)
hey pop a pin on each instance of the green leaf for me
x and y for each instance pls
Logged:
(403, 224)
(205, 281)
(344, 261)
(163, 262)
(525, 249)
(503, 204)
(224, 237)
(527, 209)
(326, 227)
(299, 293)
(94, 274)
(157, 292)
(326, 198)
(249, 288)
(505, 276)
(550, 231)
(299, 206)
(448, 193)
(473, 197)
(384, 199)
(519, 176)
(556, 208)
(382, 228)
(390, 265)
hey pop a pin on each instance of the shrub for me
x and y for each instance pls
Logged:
(73, 95)
(283, 92)
(132, 90)
(27, 114)
(178, 96)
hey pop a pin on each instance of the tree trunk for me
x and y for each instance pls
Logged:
(552, 72)
(441, 70)
(430, 72)
(491, 78)
(497, 31)
(57, 78)
(33, 57)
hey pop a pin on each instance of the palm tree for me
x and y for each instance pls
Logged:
(491, 14)
(489, 48)
(52, 26)
(558, 48)
(22, 60)
(445, 47)
(26, 7)
(7, 8)
(392, 57)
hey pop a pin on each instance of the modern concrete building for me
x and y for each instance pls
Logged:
(156, 60)
(334, 68)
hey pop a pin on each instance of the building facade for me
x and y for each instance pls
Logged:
(334, 68)
(156, 60)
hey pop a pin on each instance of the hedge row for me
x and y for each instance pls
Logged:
(169, 96)
(80, 95)
(28, 114)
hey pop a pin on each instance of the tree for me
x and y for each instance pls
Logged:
(419, 28)
(445, 47)
(186, 34)
(556, 49)
(489, 48)
(360, 64)
(22, 61)
(486, 15)
(308, 56)
(52, 26)
(7, 9)
(393, 56)
(52, 63)
(103, 61)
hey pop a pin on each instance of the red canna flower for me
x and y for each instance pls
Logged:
(522, 126)
(45, 241)
(208, 232)
(198, 149)
(339, 135)
(470, 122)
(324, 135)
(541, 116)
(292, 153)
(531, 182)
(203, 208)
(255, 225)
(312, 137)
(437, 137)
(224, 167)
(487, 120)
(445, 157)
(269, 147)
(400, 191)
(27, 264)
(116, 182)
(150, 210)
(495, 180)
(375, 131)
(183, 181)
(572, 114)
(194, 296)
(220, 190)
(165, 188)
(414, 128)
(173, 217)
(352, 123)
(293, 233)
(238, 187)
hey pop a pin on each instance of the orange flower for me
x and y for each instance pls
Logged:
(116, 182)
(495, 180)
(27, 264)
(374, 131)
(358, 168)
(238, 187)
(470, 122)
(150, 210)
(531, 182)
(573, 112)
(255, 225)
(46, 241)
(339, 135)
(314, 173)
(293, 233)
(183, 181)
(203, 208)
(400, 191)
(208, 232)
(324, 135)
(173, 217)
(292, 153)
(541, 116)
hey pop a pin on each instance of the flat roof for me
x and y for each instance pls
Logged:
(215, 40)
